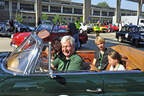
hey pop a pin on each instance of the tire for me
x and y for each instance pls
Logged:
(136, 43)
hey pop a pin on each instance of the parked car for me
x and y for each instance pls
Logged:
(46, 22)
(100, 29)
(6, 30)
(112, 28)
(19, 27)
(22, 74)
(58, 31)
(132, 34)
(3, 30)
(86, 28)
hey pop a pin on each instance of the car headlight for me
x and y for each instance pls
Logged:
(142, 37)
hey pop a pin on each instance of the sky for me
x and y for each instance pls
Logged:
(112, 3)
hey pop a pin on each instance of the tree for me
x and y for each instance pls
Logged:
(80, 19)
(19, 17)
(56, 19)
(103, 4)
(44, 17)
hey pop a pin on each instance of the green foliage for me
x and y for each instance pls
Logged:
(19, 18)
(56, 19)
(80, 19)
(103, 4)
(44, 17)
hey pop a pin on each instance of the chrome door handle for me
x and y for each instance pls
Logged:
(98, 90)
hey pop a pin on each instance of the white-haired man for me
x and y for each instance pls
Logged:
(70, 60)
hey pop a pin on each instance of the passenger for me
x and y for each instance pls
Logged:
(56, 48)
(100, 60)
(70, 60)
(114, 59)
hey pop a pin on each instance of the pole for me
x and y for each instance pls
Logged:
(86, 10)
(117, 12)
(38, 11)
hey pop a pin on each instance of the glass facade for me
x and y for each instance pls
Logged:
(104, 13)
(2, 4)
(97, 13)
(77, 11)
(67, 10)
(27, 7)
(55, 9)
(45, 8)
(111, 13)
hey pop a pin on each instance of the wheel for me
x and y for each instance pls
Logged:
(136, 43)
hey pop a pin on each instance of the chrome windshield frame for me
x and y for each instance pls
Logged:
(32, 63)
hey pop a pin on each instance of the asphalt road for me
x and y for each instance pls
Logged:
(110, 41)
(90, 45)
(5, 44)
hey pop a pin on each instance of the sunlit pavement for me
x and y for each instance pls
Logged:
(5, 44)
(110, 41)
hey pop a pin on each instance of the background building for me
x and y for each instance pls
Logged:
(67, 10)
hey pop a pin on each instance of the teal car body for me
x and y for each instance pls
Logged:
(28, 79)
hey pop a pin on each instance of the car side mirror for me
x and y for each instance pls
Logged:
(43, 34)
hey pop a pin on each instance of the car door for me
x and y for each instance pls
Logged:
(71, 84)
(124, 83)
(41, 84)
(134, 30)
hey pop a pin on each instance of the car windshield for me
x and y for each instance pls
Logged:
(141, 29)
(48, 27)
(129, 28)
(21, 58)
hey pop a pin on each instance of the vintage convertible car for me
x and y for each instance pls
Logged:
(24, 72)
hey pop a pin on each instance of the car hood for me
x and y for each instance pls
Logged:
(21, 33)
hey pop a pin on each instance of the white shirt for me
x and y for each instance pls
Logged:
(120, 67)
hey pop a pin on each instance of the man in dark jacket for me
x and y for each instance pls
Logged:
(75, 34)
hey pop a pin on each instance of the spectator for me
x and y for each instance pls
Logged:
(75, 33)
(70, 60)
(77, 23)
(56, 48)
(11, 24)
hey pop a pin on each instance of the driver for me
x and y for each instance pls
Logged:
(70, 60)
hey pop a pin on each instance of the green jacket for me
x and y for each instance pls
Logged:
(73, 63)
(77, 25)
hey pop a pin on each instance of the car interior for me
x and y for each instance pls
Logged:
(129, 62)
